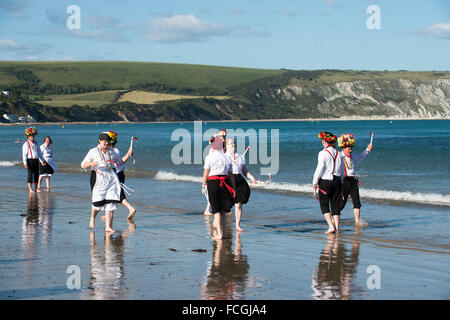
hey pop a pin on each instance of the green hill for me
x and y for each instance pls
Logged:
(95, 91)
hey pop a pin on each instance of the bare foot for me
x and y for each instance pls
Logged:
(207, 213)
(103, 218)
(217, 238)
(131, 215)
(330, 230)
(38, 190)
(92, 222)
(239, 229)
(109, 230)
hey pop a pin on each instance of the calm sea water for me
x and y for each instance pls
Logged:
(405, 198)
(410, 160)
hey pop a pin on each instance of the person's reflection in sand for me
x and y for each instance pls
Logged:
(107, 266)
(37, 226)
(228, 274)
(334, 274)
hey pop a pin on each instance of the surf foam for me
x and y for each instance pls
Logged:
(8, 163)
(416, 197)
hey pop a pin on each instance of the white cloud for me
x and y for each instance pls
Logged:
(331, 3)
(12, 45)
(440, 30)
(14, 8)
(188, 28)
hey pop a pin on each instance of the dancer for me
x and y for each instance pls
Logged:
(217, 175)
(121, 172)
(31, 155)
(239, 171)
(350, 186)
(50, 166)
(222, 133)
(327, 179)
(106, 189)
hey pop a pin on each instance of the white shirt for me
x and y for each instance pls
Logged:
(47, 153)
(327, 167)
(237, 163)
(218, 163)
(118, 155)
(349, 162)
(31, 150)
(96, 155)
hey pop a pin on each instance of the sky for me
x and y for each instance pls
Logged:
(267, 34)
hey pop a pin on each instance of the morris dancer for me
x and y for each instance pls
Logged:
(50, 168)
(106, 189)
(219, 180)
(222, 133)
(31, 155)
(242, 188)
(121, 172)
(350, 186)
(327, 179)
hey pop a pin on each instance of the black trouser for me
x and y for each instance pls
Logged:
(350, 187)
(33, 170)
(333, 195)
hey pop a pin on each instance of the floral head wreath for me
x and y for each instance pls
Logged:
(31, 131)
(327, 136)
(113, 136)
(221, 133)
(346, 140)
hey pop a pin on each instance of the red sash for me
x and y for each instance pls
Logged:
(222, 182)
(29, 147)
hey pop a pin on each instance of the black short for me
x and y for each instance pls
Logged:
(47, 169)
(121, 176)
(333, 196)
(350, 187)
(220, 198)
(33, 170)
(242, 190)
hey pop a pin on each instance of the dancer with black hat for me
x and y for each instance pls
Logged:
(31, 155)
(106, 189)
(219, 182)
(327, 180)
(350, 186)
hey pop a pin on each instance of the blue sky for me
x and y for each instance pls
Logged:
(316, 34)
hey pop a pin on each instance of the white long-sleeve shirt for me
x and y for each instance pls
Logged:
(237, 163)
(328, 165)
(102, 159)
(31, 150)
(349, 161)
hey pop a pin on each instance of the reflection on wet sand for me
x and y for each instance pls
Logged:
(227, 273)
(107, 267)
(333, 277)
(37, 225)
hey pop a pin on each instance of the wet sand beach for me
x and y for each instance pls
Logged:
(168, 253)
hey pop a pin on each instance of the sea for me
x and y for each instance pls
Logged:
(282, 253)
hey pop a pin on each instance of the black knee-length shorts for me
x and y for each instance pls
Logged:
(333, 196)
(350, 187)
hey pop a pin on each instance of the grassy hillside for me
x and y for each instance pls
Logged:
(93, 99)
(104, 75)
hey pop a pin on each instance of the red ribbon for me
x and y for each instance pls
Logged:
(222, 182)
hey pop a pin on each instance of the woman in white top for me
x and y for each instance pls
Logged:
(239, 171)
(350, 186)
(50, 167)
(327, 180)
(217, 175)
(31, 155)
(106, 190)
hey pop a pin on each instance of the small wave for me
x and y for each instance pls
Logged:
(425, 198)
(9, 163)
